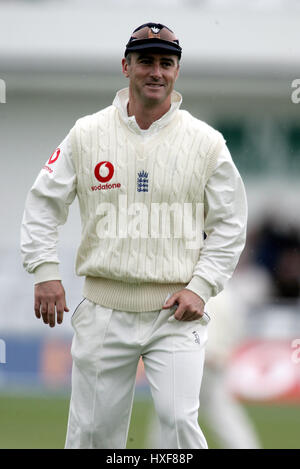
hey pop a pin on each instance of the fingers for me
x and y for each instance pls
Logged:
(50, 302)
(60, 308)
(175, 300)
(190, 307)
(185, 312)
(183, 315)
(51, 314)
(44, 311)
(192, 317)
(180, 312)
(170, 302)
(37, 306)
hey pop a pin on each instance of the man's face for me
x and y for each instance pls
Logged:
(151, 76)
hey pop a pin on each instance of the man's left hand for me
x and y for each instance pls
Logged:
(190, 305)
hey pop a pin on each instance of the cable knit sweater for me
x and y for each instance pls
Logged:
(126, 180)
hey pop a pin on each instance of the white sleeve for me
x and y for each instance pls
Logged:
(225, 224)
(47, 207)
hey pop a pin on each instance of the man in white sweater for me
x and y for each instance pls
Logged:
(151, 180)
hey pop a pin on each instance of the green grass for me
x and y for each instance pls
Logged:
(32, 422)
(278, 426)
(40, 422)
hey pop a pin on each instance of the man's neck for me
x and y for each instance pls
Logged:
(146, 115)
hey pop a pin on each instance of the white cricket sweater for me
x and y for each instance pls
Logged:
(121, 175)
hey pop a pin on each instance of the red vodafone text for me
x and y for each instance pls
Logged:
(108, 169)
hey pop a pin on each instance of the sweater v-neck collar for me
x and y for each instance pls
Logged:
(121, 102)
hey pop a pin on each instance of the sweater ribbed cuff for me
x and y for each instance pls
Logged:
(201, 287)
(45, 272)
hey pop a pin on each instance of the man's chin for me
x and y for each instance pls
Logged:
(155, 96)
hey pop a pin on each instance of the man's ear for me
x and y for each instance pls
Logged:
(125, 67)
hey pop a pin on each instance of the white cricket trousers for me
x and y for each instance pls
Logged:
(106, 349)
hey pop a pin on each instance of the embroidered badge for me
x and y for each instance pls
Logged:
(142, 181)
(197, 338)
(155, 30)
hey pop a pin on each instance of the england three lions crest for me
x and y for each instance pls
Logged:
(142, 181)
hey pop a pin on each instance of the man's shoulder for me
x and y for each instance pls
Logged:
(198, 124)
(91, 120)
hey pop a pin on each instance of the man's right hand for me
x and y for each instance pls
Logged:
(49, 298)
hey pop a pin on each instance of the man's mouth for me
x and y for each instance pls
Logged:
(154, 85)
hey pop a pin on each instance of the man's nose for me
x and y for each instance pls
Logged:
(156, 71)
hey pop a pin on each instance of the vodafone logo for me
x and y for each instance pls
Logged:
(104, 171)
(108, 171)
(54, 156)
